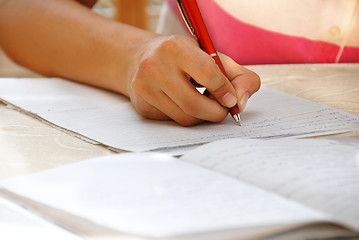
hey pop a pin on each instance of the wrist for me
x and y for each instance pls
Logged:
(123, 52)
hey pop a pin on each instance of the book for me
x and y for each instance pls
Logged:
(227, 189)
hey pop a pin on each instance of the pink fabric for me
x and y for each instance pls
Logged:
(248, 44)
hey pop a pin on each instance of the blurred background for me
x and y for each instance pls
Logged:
(140, 13)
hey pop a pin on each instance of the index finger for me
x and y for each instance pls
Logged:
(203, 68)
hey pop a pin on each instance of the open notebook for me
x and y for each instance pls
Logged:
(107, 118)
(228, 189)
(17, 223)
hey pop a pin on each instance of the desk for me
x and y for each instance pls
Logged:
(28, 145)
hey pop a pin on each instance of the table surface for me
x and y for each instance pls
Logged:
(28, 145)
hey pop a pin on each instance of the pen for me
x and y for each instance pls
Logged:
(194, 21)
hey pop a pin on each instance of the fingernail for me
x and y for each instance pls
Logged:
(229, 100)
(243, 102)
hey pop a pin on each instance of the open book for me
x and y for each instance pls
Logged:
(229, 189)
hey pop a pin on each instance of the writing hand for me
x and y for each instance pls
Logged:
(159, 86)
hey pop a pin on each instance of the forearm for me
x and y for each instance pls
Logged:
(64, 38)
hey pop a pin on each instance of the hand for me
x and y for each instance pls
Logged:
(244, 81)
(153, 70)
(159, 87)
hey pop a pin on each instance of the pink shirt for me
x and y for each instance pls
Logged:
(249, 44)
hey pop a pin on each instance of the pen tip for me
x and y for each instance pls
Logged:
(237, 118)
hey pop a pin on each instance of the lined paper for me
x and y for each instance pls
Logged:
(320, 173)
(152, 194)
(17, 223)
(110, 119)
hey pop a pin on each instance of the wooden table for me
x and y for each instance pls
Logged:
(28, 145)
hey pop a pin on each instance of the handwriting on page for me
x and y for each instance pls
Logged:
(110, 119)
(320, 173)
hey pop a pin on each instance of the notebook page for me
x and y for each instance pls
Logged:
(18, 223)
(110, 119)
(157, 195)
(320, 173)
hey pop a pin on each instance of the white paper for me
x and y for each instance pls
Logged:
(157, 195)
(319, 173)
(16, 223)
(110, 119)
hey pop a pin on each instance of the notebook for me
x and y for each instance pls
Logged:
(227, 189)
(107, 118)
(18, 223)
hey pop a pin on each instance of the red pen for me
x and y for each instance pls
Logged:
(194, 21)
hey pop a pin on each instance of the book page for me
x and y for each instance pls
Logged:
(320, 173)
(157, 195)
(110, 119)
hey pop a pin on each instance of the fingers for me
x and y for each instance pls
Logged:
(245, 81)
(160, 86)
(146, 109)
(203, 69)
(160, 107)
(161, 90)
(193, 103)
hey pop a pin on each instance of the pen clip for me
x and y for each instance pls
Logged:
(185, 18)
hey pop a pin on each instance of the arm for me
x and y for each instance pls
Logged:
(64, 38)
